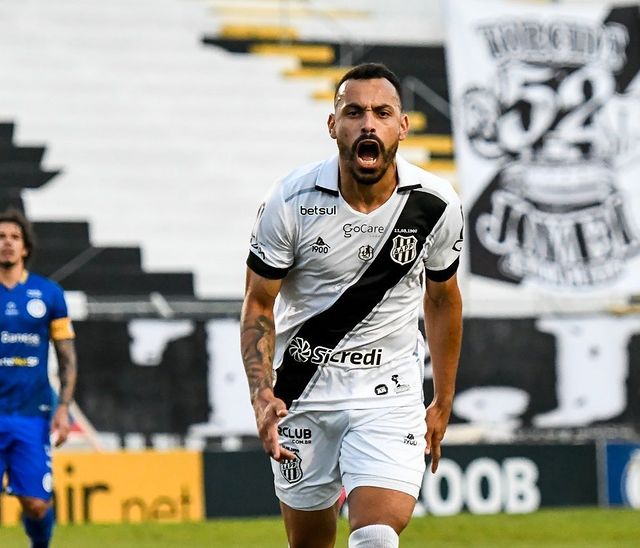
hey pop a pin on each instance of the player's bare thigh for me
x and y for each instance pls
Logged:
(310, 529)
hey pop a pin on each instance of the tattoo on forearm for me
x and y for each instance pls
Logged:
(258, 341)
(67, 369)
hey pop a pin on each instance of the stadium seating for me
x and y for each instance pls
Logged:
(161, 142)
(64, 251)
(419, 67)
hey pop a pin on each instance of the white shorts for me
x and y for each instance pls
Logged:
(365, 447)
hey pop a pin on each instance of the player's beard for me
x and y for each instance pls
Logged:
(367, 176)
(6, 262)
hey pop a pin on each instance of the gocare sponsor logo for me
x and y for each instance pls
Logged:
(318, 210)
(302, 352)
(32, 339)
(300, 436)
(366, 229)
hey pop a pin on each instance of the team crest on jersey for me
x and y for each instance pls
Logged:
(405, 249)
(365, 253)
(291, 470)
(36, 308)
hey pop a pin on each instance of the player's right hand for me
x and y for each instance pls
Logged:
(269, 410)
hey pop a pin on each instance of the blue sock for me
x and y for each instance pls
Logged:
(39, 530)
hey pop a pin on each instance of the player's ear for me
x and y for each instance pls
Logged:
(404, 127)
(331, 124)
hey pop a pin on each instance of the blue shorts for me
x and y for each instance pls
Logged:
(25, 455)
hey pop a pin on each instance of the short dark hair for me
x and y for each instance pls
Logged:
(370, 71)
(15, 216)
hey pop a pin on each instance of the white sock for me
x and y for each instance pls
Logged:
(374, 536)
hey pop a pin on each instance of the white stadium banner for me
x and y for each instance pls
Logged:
(546, 113)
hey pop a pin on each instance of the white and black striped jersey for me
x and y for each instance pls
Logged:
(347, 313)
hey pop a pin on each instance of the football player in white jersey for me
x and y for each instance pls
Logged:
(342, 254)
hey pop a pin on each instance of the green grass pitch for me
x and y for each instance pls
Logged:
(594, 528)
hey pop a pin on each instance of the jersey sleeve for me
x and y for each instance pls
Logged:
(444, 254)
(271, 248)
(60, 326)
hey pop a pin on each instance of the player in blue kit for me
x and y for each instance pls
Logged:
(32, 312)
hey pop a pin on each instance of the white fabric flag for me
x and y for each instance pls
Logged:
(546, 116)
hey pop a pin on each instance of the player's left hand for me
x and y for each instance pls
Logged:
(61, 424)
(437, 417)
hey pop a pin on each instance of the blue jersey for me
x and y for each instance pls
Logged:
(31, 313)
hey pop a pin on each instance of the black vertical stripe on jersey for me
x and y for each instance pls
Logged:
(421, 211)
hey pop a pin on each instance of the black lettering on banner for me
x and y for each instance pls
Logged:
(553, 211)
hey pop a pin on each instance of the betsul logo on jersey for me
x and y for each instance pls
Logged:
(317, 210)
(300, 350)
(405, 249)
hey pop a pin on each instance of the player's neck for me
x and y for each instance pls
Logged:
(367, 198)
(10, 276)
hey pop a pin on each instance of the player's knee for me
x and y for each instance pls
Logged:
(396, 522)
(35, 508)
(374, 536)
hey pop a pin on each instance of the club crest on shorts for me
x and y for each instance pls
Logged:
(291, 470)
(405, 249)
